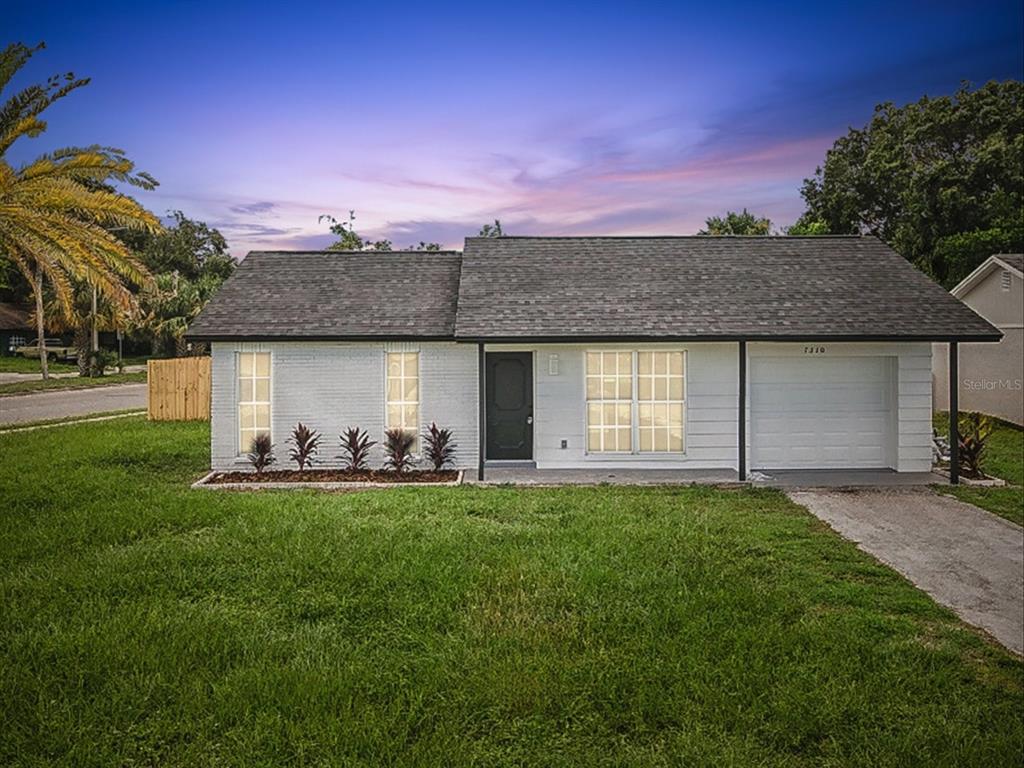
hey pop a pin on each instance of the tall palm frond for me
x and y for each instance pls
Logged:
(56, 211)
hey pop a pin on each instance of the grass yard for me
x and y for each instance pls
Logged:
(147, 624)
(1003, 458)
(19, 364)
(75, 382)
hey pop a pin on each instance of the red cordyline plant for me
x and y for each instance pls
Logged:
(355, 448)
(261, 454)
(398, 445)
(438, 446)
(975, 430)
(307, 444)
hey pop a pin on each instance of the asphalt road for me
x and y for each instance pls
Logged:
(17, 409)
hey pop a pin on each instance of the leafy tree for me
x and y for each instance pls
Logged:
(348, 238)
(733, 223)
(962, 253)
(53, 210)
(77, 318)
(940, 180)
(491, 230)
(191, 248)
(808, 226)
(169, 305)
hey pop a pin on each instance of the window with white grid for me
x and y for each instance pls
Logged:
(609, 402)
(661, 393)
(403, 392)
(253, 397)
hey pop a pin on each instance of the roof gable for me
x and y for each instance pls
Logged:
(1013, 262)
(13, 317)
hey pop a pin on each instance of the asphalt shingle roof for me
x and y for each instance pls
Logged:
(12, 317)
(1015, 260)
(592, 288)
(335, 295)
(545, 288)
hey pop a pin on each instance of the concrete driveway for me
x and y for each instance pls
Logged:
(966, 558)
(62, 403)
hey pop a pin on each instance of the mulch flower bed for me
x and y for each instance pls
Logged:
(334, 476)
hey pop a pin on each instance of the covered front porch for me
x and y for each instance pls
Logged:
(536, 407)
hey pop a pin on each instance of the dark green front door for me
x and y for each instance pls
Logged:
(510, 405)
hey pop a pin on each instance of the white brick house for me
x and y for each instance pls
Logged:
(670, 353)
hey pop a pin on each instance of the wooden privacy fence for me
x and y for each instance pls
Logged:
(179, 389)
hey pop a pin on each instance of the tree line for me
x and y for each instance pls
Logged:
(941, 180)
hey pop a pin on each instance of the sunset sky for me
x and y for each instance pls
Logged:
(430, 119)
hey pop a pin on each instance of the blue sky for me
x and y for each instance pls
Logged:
(432, 119)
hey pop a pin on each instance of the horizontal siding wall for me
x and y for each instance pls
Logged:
(332, 386)
(560, 408)
(915, 408)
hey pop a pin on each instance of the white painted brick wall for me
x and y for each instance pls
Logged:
(331, 386)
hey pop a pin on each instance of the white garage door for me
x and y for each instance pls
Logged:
(826, 412)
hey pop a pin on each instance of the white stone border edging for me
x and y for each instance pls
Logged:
(987, 482)
(204, 483)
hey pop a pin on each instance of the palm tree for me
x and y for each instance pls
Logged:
(54, 210)
(80, 320)
(170, 305)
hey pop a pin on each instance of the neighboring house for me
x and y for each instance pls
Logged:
(990, 374)
(14, 328)
(599, 352)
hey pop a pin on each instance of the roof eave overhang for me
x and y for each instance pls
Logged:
(216, 337)
(583, 339)
(591, 339)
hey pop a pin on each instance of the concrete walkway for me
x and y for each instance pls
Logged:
(966, 558)
(61, 403)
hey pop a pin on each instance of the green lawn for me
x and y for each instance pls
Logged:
(31, 365)
(147, 624)
(1003, 458)
(74, 382)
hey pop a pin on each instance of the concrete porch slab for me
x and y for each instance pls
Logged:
(529, 476)
(843, 478)
(525, 474)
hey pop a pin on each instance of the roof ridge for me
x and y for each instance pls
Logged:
(285, 252)
(675, 237)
